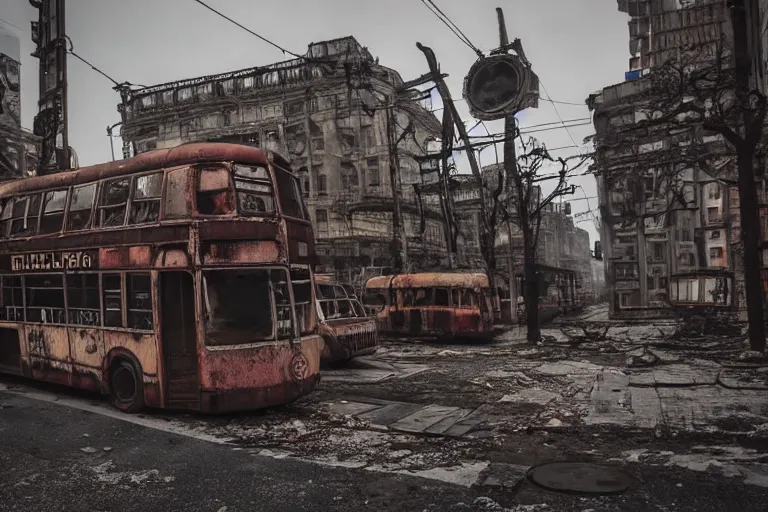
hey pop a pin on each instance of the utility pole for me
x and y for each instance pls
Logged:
(510, 167)
(52, 120)
(399, 239)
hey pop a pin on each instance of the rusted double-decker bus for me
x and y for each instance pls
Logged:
(442, 305)
(343, 323)
(164, 280)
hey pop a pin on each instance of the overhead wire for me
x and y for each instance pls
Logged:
(557, 112)
(249, 30)
(71, 51)
(430, 4)
(11, 24)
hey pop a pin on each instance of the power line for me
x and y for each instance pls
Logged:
(71, 51)
(561, 102)
(248, 30)
(11, 24)
(558, 113)
(430, 4)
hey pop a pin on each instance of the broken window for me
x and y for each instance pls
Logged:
(83, 304)
(113, 202)
(53, 211)
(139, 287)
(651, 283)
(373, 172)
(145, 205)
(321, 219)
(24, 215)
(184, 94)
(302, 296)
(214, 193)
(349, 178)
(659, 251)
(368, 135)
(239, 305)
(12, 299)
(295, 108)
(715, 253)
(80, 207)
(45, 299)
(322, 184)
(112, 291)
(254, 190)
(348, 139)
(6, 210)
(663, 283)
(290, 197)
(424, 297)
(228, 86)
(713, 214)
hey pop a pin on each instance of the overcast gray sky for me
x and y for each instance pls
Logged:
(576, 47)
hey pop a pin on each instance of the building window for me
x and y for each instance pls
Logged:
(714, 192)
(713, 214)
(368, 135)
(322, 184)
(715, 253)
(349, 178)
(145, 205)
(659, 251)
(321, 217)
(663, 283)
(24, 215)
(715, 235)
(295, 108)
(373, 172)
(651, 282)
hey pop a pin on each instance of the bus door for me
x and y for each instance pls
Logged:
(178, 340)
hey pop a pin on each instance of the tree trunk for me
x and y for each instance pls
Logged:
(531, 288)
(750, 237)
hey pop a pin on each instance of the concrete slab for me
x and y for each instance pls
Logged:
(466, 424)
(743, 379)
(389, 414)
(531, 396)
(507, 476)
(564, 368)
(365, 376)
(442, 426)
(424, 418)
(351, 408)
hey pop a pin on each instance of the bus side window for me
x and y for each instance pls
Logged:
(54, 204)
(214, 192)
(112, 289)
(24, 216)
(408, 297)
(6, 209)
(81, 207)
(83, 299)
(442, 297)
(254, 190)
(467, 298)
(113, 202)
(139, 301)
(145, 201)
(455, 297)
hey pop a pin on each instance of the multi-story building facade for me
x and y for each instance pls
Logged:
(666, 209)
(341, 118)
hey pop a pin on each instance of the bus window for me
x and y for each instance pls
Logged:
(456, 297)
(145, 202)
(112, 290)
(408, 297)
(214, 193)
(442, 297)
(302, 296)
(254, 190)
(113, 203)
(45, 299)
(282, 304)
(139, 288)
(24, 215)
(239, 307)
(6, 209)
(424, 297)
(12, 299)
(52, 219)
(468, 298)
(83, 299)
(290, 198)
(80, 207)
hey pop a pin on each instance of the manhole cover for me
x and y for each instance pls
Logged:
(581, 478)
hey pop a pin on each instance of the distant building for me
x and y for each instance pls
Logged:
(327, 113)
(664, 214)
(18, 148)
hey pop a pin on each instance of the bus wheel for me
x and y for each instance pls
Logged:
(126, 390)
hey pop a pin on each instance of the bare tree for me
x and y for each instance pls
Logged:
(708, 86)
(523, 205)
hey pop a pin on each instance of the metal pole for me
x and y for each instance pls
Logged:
(111, 142)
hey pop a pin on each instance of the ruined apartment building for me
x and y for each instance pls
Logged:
(326, 113)
(663, 214)
(561, 244)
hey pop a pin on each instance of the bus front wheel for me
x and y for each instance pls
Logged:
(126, 389)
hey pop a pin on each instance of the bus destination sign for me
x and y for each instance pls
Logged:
(76, 260)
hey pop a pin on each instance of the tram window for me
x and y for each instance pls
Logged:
(254, 190)
(442, 297)
(214, 193)
(424, 297)
(45, 299)
(113, 203)
(467, 298)
(456, 297)
(83, 300)
(80, 207)
(139, 288)
(112, 290)
(54, 204)
(145, 202)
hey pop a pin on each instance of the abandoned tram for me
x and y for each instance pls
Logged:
(180, 278)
